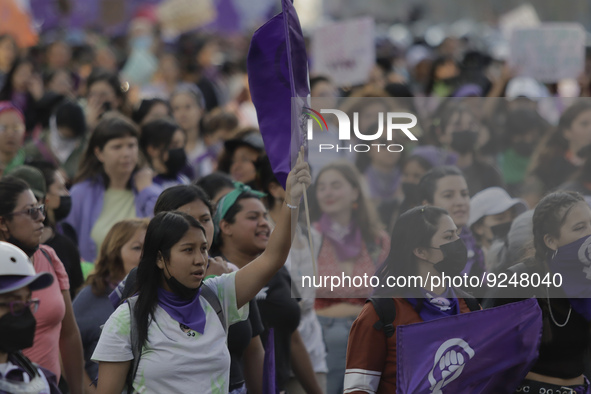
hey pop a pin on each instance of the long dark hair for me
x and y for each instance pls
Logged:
(175, 197)
(414, 229)
(8, 88)
(10, 188)
(164, 231)
(157, 134)
(110, 127)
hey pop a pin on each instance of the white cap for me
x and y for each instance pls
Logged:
(493, 201)
(525, 87)
(16, 271)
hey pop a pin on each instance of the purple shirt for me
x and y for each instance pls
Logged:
(87, 205)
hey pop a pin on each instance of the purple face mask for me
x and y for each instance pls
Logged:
(573, 263)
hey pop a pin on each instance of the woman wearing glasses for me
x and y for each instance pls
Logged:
(21, 224)
(17, 323)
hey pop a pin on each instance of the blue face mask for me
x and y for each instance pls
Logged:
(573, 262)
(142, 43)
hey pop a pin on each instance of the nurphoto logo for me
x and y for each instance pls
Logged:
(344, 130)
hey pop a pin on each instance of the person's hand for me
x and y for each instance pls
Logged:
(217, 266)
(143, 178)
(298, 180)
(35, 87)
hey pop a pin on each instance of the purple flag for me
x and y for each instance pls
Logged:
(487, 351)
(277, 71)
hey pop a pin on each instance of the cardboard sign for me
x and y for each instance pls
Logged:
(179, 16)
(344, 51)
(550, 52)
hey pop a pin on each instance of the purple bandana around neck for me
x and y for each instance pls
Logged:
(347, 239)
(189, 313)
(435, 307)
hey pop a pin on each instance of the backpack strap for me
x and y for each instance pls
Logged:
(136, 347)
(386, 310)
(25, 363)
(214, 301)
(47, 256)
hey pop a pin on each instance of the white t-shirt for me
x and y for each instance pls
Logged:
(177, 360)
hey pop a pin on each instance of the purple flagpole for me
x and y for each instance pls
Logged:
(277, 72)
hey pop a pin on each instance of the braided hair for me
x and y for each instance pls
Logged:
(549, 216)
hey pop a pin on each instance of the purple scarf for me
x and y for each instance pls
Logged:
(347, 240)
(435, 307)
(382, 186)
(188, 313)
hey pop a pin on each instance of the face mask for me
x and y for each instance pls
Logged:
(64, 208)
(411, 191)
(29, 251)
(464, 141)
(142, 43)
(180, 289)
(17, 332)
(524, 149)
(573, 263)
(455, 257)
(177, 159)
(500, 231)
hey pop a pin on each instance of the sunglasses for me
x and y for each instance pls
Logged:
(17, 308)
(34, 212)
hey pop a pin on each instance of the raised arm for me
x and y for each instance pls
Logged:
(252, 277)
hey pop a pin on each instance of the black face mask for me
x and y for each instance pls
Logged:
(29, 251)
(464, 141)
(17, 332)
(455, 257)
(524, 149)
(411, 191)
(63, 210)
(500, 231)
(180, 289)
(177, 159)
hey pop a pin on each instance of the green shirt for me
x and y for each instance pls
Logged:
(18, 160)
(118, 205)
(513, 167)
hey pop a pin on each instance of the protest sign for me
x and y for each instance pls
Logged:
(179, 16)
(344, 51)
(550, 52)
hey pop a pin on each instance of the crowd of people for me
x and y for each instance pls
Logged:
(142, 224)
